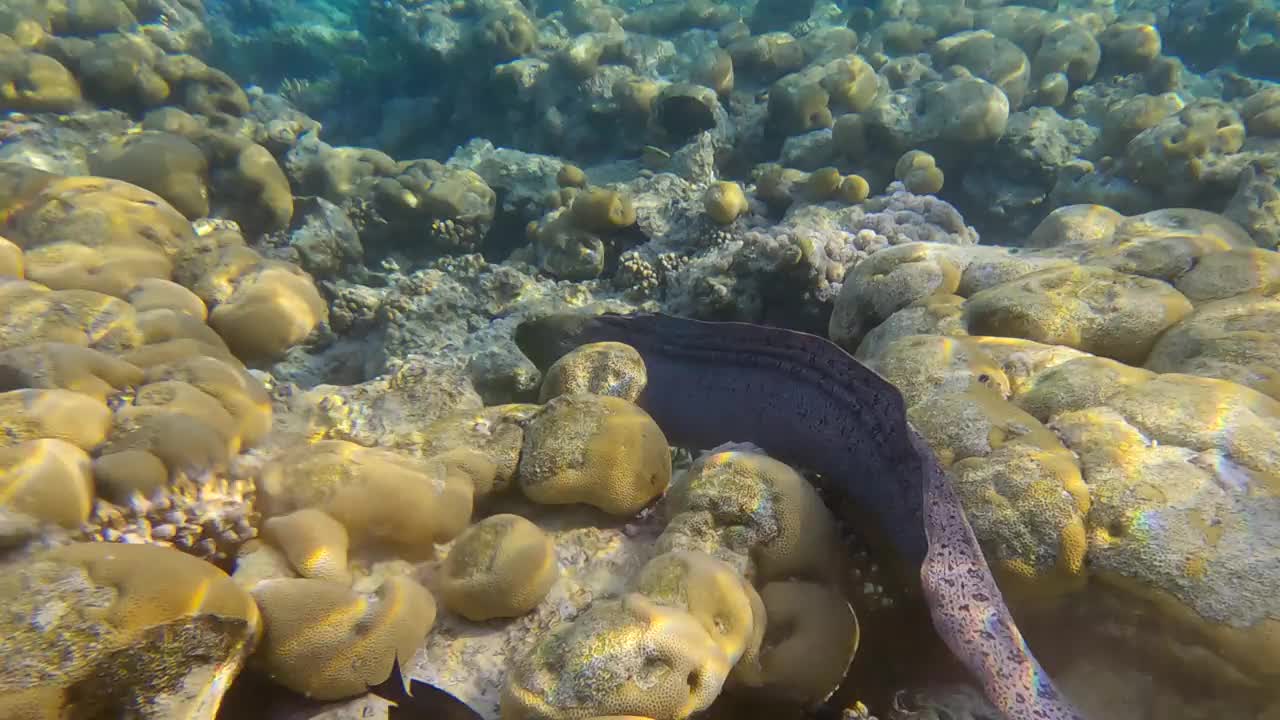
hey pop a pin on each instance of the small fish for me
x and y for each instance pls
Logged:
(655, 158)
(422, 701)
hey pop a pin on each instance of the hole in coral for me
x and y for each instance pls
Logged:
(651, 669)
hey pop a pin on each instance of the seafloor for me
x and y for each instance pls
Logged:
(265, 426)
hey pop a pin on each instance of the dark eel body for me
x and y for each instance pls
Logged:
(808, 402)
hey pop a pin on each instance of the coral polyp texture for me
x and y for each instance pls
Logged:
(594, 449)
(502, 566)
(284, 394)
(354, 644)
(662, 664)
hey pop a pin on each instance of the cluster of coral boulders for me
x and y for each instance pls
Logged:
(1105, 402)
(139, 457)
(263, 410)
(125, 340)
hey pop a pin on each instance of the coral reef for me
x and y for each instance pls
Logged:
(261, 270)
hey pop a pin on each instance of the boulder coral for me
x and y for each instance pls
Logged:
(744, 502)
(663, 665)
(611, 369)
(89, 237)
(141, 631)
(713, 592)
(327, 641)
(501, 567)
(594, 449)
(1103, 395)
(380, 497)
(1055, 441)
(810, 640)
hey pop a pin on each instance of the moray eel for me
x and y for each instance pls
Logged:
(808, 402)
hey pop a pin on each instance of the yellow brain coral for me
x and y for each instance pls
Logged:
(158, 294)
(167, 164)
(1182, 471)
(139, 631)
(328, 641)
(606, 368)
(886, 282)
(597, 450)
(160, 326)
(261, 307)
(97, 234)
(97, 213)
(602, 210)
(315, 544)
(60, 414)
(112, 270)
(379, 496)
(1077, 384)
(628, 656)
(497, 432)
(1028, 506)
(724, 202)
(240, 393)
(183, 428)
(810, 641)
(473, 464)
(10, 259)
(48, 480)
(30, 313)
(919, 172)
(710, 590)
(271, 310)
(763, 508)
(502, 566)
(1089, 308)
(925, 365)
(68, 367)
(1231, 339)
(975, 421)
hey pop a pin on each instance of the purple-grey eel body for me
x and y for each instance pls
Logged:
(806, 401)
